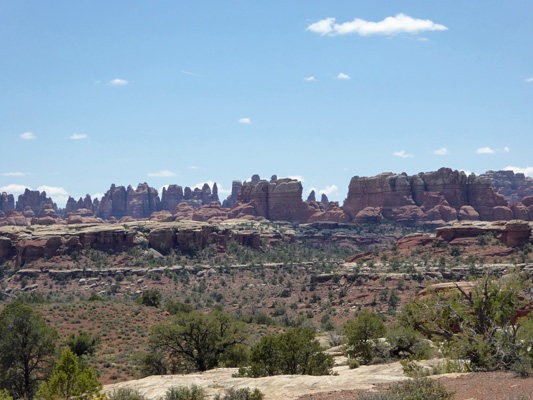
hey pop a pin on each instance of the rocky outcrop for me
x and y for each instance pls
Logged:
(33, 199)
(513, 186)
(311, 196)
(440, 196)
(171, 197)
(183, 211)
(14, 218)
(233, 197)
(26, 246)
(332, 214)
(136, 203)
(212, 213)
(512, 233)
(86, 203)
(280, 200)
(7, 202)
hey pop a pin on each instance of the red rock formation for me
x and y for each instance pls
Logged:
(280, 200)
(171, 197)
(33, 199)
(511, 233)
(444, 196)
(162, 216)
(332, 214)
(212, 213)
(232, 198)
(183, 212)
(14, 218)
(7, 202)
(513, 186)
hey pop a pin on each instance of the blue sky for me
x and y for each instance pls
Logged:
(101, 92)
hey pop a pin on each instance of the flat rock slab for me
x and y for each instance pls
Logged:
(286, 387)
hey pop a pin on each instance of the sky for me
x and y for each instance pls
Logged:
(185, 92)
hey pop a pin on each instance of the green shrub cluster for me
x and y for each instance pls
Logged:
(240, 394)
(413, 389)
(293, 352)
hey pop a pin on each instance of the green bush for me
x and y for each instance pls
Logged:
(185, 393)
(290, 353)
(125, 394)
(353, 364)
(362, 334)
(240, 394)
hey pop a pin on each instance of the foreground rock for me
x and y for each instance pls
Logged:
(284, 387)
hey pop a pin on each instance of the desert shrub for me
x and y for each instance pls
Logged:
(240, 394)
(83, 344)
(353, 364)
(480, 326)
(174, 307)
(362, 334)
(125, 394)
(413, 389)
(185, 393)
(150, 298)
(406, 342)
(293, 352)
(95, 297)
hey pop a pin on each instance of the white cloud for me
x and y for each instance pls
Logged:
(485, 150)
(297, 177)
(529, 80)
(193, 167)
(402, 154)
(14, 189)
(526, 171)
(506, 149)
(400, 23)
(58, 194)
(118, 82)
(164, 173)
(78, 136)
(323, 27)
(18, 173)
(343, 76)
(443, 151)
(310, 79)
(27, 136)
(245, 121)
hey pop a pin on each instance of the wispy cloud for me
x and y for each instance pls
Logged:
(118, 82)
(164, 173)
(246, 121)
(529, 80)
(193, 167)
(78, 136)
(400, 23)
(189, 73)
(27, 136)
(310, 79)
(343, 76)
(402, 154)
(16, 173)
(489, 150)
(526, 171)
(443, 151)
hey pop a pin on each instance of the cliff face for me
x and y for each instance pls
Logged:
(34, 200)
(513, 186)
(7, 202)
(275, 200)
(444, 195)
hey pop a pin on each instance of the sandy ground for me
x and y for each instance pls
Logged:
(283, 387)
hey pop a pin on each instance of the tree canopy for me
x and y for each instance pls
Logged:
(27, 345)
(197, 341)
